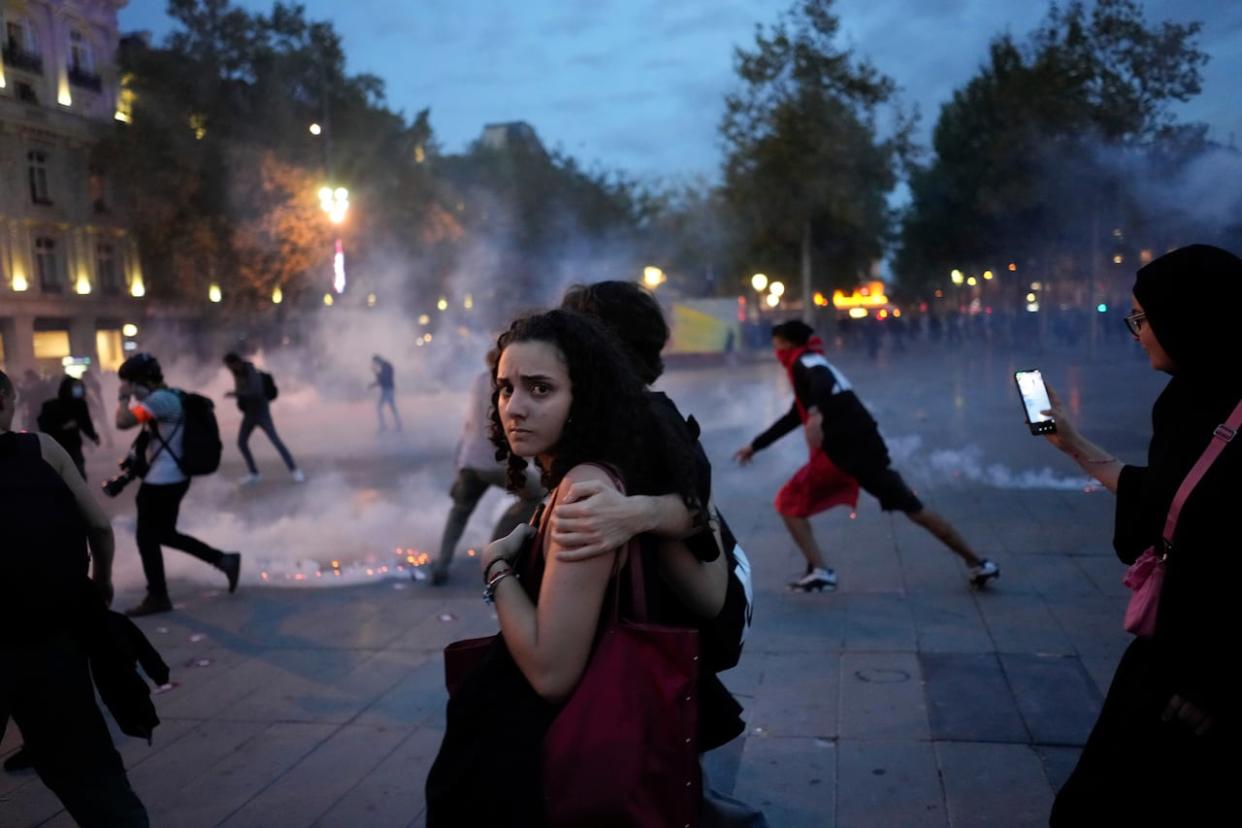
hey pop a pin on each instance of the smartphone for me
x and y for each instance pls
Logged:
(1035, 401)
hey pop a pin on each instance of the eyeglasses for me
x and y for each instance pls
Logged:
(1134, 322)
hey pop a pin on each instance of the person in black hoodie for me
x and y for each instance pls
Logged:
(1162, 750)
(842, 437)
(49, 521)
(66, 418)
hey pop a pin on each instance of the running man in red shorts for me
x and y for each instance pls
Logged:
(847, 453)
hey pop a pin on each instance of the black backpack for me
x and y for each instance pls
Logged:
(270, 391)
(200, 446)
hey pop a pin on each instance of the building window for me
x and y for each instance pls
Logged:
(106, 273)
(45, 265)
(51, 345)
(37, 166)
(82, 63)
(21, 50)
(97, 191)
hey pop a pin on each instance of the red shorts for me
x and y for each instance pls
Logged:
(815, 488)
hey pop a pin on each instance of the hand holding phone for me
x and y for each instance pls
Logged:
(1035, 401)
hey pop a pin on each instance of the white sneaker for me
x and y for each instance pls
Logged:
(298, 477)
(984, 572)
(816, 580)
(249, 479)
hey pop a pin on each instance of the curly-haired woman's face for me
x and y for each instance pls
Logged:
(534, 397)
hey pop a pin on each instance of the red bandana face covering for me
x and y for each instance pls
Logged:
(789, 356)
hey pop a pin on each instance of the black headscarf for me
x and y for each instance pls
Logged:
(1193, 298)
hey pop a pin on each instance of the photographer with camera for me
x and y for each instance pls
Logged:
(157, 457)
(51, 526)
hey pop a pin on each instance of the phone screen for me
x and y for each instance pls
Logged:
(1034, 396)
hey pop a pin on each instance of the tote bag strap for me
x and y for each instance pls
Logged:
(1223, 435)
(634, 559)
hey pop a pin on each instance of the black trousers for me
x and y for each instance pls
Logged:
(158, 506)
(46, 688)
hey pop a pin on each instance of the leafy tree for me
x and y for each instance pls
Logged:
(807, 171)
(1037, 157)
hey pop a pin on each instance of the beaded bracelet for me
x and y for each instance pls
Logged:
(489, 592)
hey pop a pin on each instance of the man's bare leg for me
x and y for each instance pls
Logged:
(946, 534)
(800, 528)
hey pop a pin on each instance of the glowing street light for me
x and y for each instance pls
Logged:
(972, 281)
(759, 282)
(442, 304)
(956, 277)
(315, 129)
(334, 202)
(777, 289)
(987, 274)
(129, 329)
(424, 319)
(653, 277)
(773, 300)
(213, 293)
(328, 300)
(278, 295)
(468, 302)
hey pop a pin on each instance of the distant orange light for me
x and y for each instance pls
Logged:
(897, 313)
(820, 300)
(1013, 266)
(883, 314)
(870, 295)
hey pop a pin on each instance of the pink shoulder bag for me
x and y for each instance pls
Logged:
(1145, 577)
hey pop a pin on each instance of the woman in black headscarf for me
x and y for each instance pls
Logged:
(1158, 750)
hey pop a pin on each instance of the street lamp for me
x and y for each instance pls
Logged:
(315, 129)
(653, 277)
(773, 300)
(335, 202)
(777, 289)
(759, 282)
(956, 277)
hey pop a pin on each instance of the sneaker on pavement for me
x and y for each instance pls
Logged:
(230, 565)
(984, 572)
(298, 476)
(816, 580)
(150, 606)
(250, 479)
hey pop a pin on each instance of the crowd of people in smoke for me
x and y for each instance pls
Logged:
(614, 573)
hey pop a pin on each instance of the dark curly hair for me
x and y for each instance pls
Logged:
(632, 314)
(605, 418)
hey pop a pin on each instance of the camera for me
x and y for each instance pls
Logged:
(133, 466)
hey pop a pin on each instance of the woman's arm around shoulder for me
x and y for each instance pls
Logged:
(551, 642)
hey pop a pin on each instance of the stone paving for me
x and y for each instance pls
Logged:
(902, 699)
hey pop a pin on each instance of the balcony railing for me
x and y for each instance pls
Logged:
(86, 80)
(19, 58)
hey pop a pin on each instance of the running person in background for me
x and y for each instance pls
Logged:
(477, 471)
(66, 418)
(256, 413)
(387, 386)
(836, 422)
(147, 402)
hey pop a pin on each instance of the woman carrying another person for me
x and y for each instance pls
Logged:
(567, 398)
(1157, 753)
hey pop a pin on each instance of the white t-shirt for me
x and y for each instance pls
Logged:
(161, 412)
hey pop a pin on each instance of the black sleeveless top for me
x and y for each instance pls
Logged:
(43, 550)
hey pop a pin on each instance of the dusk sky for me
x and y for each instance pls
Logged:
(638, 85)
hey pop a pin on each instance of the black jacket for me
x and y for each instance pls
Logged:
(1195, 629)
